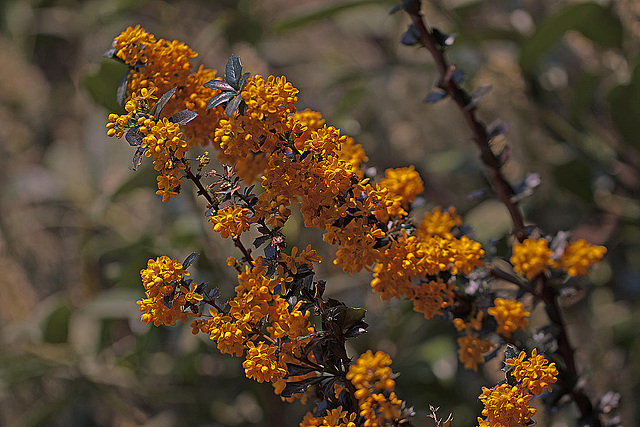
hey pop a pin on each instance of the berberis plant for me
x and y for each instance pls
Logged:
(276, 157)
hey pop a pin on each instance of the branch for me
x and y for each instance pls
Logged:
(501, 187)
(504, 192)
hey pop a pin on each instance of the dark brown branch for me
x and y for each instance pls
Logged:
(501, 187)
(549, 295)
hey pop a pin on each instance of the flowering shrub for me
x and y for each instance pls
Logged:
(277, 320)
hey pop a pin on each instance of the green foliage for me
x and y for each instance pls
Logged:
(596, 22)
(625, 109)
(103, 84)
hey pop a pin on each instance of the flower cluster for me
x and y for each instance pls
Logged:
(373, 379)
(260, 324)
(510, 316)
(579, 256)
(471, 347)
(167, 298)
(334, 418)
(161, 65)
(158, 138)
(507, 405)
(431, 250)
(533, 257)
(297, 159)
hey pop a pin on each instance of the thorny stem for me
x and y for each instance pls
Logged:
(502, 188)
(504, 192)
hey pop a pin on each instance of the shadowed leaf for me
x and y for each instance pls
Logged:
(157, 108)
(220, 98)
(183, 117)
(218, 85)
(189, 260)
(233, 71)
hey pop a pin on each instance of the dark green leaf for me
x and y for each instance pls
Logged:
(157, 108)
(347, 317)
(183, 117)
(596, 22)
(220, 98)
(233, 71)
(102, 85)
(218, 85)
(583, 92)
(575, 176)
(259, 241)
(233, 105)
(189, 260)
(321, 14)
(56, 325)
(625, 109)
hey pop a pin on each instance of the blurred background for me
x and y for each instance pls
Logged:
(77, 224)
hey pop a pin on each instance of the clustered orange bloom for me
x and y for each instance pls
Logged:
(373, 379)
(161, 139)
(260, 324)
(167, 300)
(334, 418)
(510, 316)
(296, 158)
(508, 405)
(430, 250)
(161, 65)
(471, 347)
(533, 257)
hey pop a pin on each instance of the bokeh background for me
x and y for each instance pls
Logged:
(77, 224)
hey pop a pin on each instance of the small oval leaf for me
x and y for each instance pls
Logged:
(157, 108)
(183, 117)
(189, 260)
(233, 105)
(218, 85)
(220, 98)
(233, 71)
